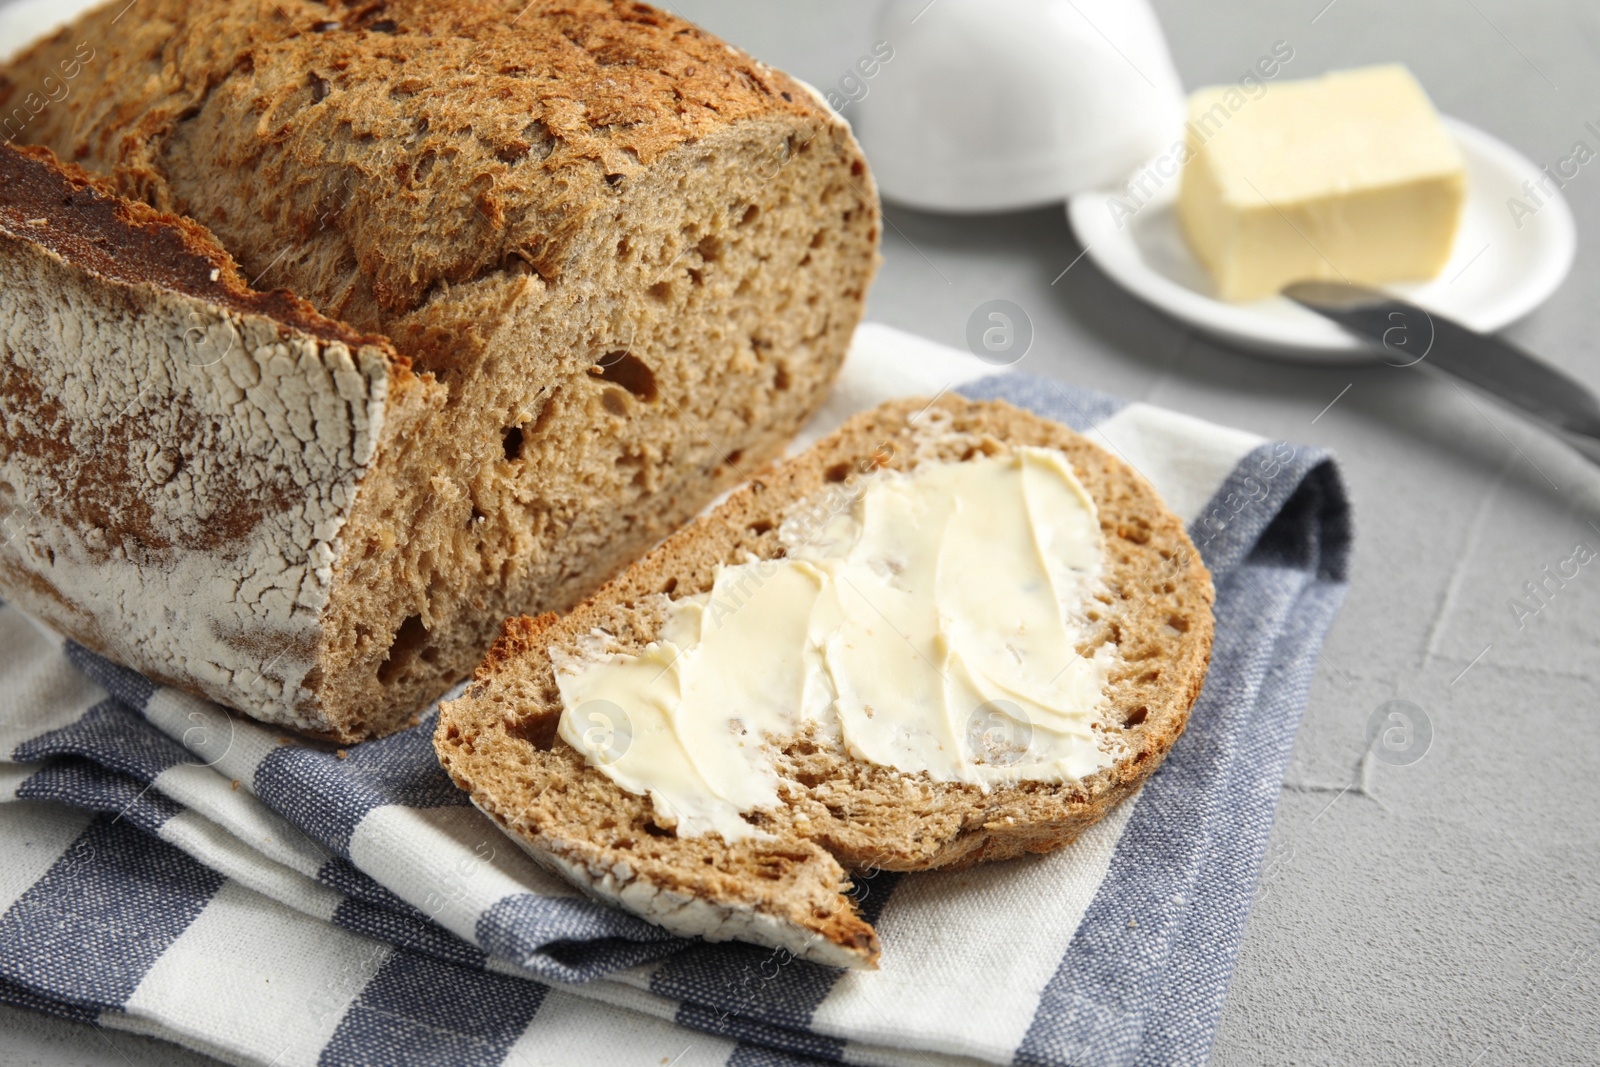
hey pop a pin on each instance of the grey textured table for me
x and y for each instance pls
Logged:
(1445, 912)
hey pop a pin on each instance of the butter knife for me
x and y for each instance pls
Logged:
(1407, 335)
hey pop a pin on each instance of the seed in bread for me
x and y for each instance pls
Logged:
(784, 885)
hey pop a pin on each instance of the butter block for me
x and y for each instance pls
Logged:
(1346, 177)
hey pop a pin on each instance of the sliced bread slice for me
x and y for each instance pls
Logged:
(787, 888)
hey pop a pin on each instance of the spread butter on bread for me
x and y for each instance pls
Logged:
(664, 747)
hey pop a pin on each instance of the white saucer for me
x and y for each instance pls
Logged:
(1497, 272)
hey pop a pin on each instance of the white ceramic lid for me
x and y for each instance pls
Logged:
(994, 105)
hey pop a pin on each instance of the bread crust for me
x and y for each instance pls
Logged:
(838, 815)
(123, 242)
(173, 492)
(399, 147)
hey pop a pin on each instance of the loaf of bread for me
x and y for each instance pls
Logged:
(837, 814)
(575, 267)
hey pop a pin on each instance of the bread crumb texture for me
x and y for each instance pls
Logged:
(837, 815)
(602, 263)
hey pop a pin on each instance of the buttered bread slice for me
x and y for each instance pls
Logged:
(951, 632)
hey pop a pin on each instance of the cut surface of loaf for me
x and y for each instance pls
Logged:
(620, 260)
(837, 814)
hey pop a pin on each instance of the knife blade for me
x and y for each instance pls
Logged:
(1407, 335)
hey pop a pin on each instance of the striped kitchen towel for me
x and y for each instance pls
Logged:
(170, 868)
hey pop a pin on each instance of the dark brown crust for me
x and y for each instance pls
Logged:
(398, 146)
(62, 208)
(499, 741)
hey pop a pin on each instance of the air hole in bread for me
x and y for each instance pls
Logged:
(780, 378)
(537, 730)
(661, 291)
(732, 458)
(630, 372)
(654, 830)
(697, 277)
(761, 526)
(1136, 716)
(408, 641)
(710, 248)
(670, 586)
(614, 401)
(838, 472)
(623, 248)
(511, 440)
(538, 135)
(750, 215)
(1178, 623)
